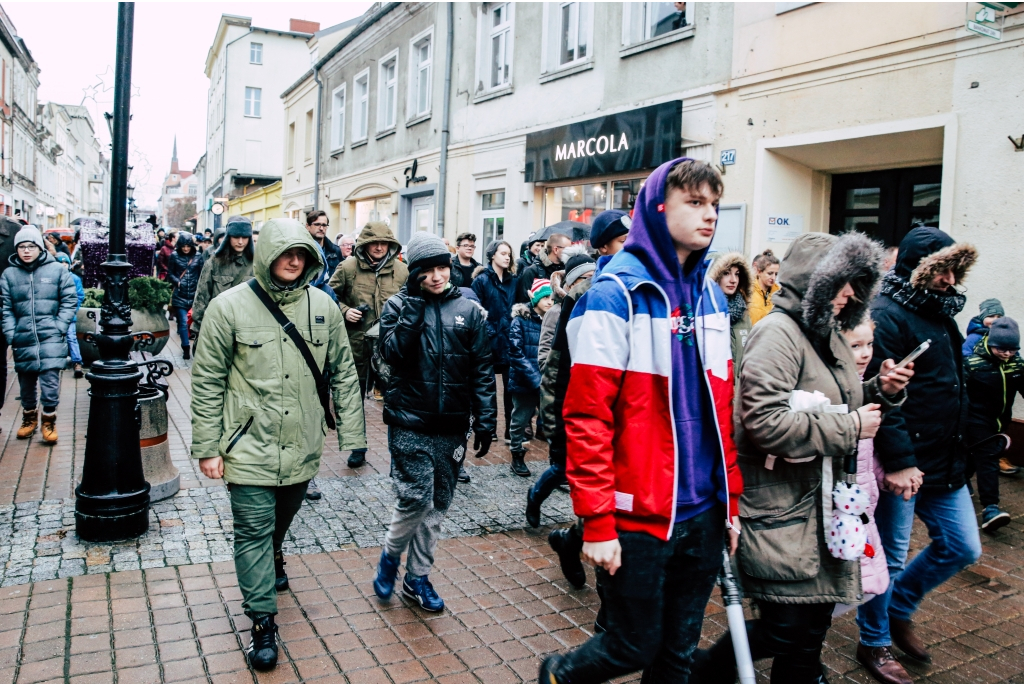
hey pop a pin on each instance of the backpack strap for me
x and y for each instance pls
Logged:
(321, 377)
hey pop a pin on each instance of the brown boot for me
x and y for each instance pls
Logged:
(50, 428)
(29, 421)
(903, 635)
(880, 663)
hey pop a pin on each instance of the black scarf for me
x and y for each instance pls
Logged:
(737, 307)
(921, 300)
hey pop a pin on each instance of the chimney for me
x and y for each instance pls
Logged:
(303, 26)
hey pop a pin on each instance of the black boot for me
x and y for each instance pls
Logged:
(186, 353)
(567, 545)
(356, 459)
(519, 464)
(532, 510)
(262, 650)
(280, 577)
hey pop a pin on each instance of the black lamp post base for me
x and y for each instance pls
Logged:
(106, 519)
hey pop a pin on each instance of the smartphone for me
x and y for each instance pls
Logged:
(918, 351)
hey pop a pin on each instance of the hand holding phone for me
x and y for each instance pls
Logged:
(918, 351)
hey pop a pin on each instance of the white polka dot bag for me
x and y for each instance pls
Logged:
(847, 531)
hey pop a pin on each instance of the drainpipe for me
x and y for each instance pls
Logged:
(445, 115)
(319, 129)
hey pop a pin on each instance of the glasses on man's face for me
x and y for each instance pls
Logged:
(317, 223)
(469, 245)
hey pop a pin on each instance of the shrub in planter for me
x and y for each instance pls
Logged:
(148, 298)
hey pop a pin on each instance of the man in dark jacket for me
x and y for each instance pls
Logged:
(184, 270)
(463, 264)
(317, 223)
(529, 254)
(995, 376)
(436, 343)
(550, 261)
(921, 446)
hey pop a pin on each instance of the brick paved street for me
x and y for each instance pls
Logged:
(166, 608)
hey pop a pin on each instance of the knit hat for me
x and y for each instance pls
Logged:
(239, 227)
(540, 289)
(1004, 333)
(29, 234)
(608, 225)
(426, 250)
(991, 307)
(63, 258)
(576, 267)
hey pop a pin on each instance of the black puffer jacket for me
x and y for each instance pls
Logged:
(497, 296)
(928, 430)
(992, 386)
(184, 272)
(440, 358)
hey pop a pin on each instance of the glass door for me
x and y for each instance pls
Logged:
(423, 214)
(492, 206)
(886, 204)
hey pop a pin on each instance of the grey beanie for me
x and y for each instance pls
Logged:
(30, 234)
(239, 227)
(426, 251)
(991, 307)
(1004, 333)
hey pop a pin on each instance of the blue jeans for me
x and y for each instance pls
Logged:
(181, 314)
(73, 350)
(552, 477)
(953, 528)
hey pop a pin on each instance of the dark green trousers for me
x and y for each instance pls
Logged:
(262, 516)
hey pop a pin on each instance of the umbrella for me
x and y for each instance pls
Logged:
(733, 600)
(577, 232)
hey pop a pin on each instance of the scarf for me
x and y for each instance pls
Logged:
(920, 300)
(737, 307)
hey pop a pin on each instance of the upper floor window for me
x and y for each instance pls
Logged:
(252, 101)
(307, 134)
(255, 53)
(360, 115)
(421, 60)
(568, 29)
(495, 54)
(646, 20)
(338, 117)
(387, 93)
(290, 146)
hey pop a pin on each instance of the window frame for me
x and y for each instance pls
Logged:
(361, 103)
(255, 111)
(290, 145)
(486, 32)
(649, 42)
(413, 113)
(257, 48)
(382, 88)
(338, 117)
(551, 65)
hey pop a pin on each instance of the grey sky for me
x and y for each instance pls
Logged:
(74, 46)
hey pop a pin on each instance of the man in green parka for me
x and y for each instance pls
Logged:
(257, 421)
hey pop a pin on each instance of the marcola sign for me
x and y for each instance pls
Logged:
(637, 139)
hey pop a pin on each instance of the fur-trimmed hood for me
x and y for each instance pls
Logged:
(726, 261)
(814, 270)
(926, 252)
(522, 310)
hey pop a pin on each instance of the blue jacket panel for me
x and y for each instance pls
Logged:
(523, 344)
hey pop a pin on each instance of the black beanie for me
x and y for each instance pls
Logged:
(1004, 334)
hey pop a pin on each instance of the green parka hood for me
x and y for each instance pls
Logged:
(276, 237)
(376, 232)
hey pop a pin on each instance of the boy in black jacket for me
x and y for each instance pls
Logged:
(995, 375)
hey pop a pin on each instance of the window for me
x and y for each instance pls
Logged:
(255, 53)
(886, 204)
(252, 102)
(495, 54)
(290, 150)
(573, 32)
(492, 207)
(646, 20)
(584, 202)
(421, 59)
(362, 107)
(387, 92)
(338, 118)
(307, 145)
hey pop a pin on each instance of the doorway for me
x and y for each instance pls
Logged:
(885, 205)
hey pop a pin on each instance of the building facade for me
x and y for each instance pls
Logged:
(179, 187)
(248, 68)
(19, 82)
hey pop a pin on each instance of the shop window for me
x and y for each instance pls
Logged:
(886, 204)
(646, 20)
(373, 209)
(492, 206)
(387, 100)
(624, 194)
(575, 203)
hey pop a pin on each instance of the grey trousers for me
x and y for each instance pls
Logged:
(424, 469)
(49, 387)
(524, 406)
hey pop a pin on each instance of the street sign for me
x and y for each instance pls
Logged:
(728, 157)
(983, 30)
(986, 18)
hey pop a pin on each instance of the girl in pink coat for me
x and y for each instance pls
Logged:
(873, 568)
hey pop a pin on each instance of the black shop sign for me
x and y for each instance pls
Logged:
(638, 139)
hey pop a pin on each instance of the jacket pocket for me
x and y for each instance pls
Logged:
(238, 434)
(780, 545)
(256, 352)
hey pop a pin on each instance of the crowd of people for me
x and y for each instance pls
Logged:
(691, 403)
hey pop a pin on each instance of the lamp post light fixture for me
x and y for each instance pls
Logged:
(112, 501)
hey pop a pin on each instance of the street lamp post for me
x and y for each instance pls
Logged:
(113, 498)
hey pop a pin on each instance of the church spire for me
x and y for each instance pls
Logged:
(174, 156)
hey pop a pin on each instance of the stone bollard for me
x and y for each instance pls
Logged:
(161, 474)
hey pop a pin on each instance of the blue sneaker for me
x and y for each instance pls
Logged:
(992, 519)
(387, 573)
(420, 589)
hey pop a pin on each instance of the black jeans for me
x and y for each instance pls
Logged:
(984, 461)
(654, 605)
(3, 369)
(791, 633)
(506, 396)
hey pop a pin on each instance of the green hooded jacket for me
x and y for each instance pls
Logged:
(254, 400)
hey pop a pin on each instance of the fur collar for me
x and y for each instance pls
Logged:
(724, 262)
(523, 311)
(853, 259)
(959, 257)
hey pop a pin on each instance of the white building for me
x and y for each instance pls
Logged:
(248, 68)
(20, 83)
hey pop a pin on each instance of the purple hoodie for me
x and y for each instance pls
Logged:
(698, 452)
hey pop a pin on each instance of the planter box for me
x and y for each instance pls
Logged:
(89, 321)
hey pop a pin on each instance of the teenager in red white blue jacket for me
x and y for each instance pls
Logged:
(648, 418)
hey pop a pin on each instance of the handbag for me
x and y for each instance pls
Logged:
(323, 381)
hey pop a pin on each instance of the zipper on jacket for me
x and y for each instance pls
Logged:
(241, 431)
(440, 365)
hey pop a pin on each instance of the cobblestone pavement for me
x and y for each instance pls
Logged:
(166, 608)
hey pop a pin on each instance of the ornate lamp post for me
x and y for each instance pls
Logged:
(113, 498)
